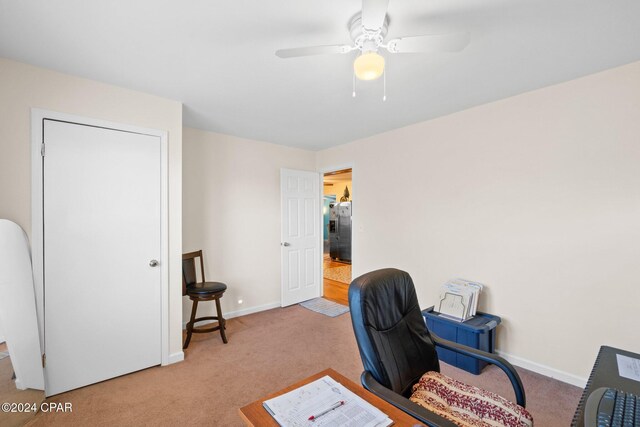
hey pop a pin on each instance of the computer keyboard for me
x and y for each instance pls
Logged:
(607, 407)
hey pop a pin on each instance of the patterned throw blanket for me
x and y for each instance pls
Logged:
(467, 406)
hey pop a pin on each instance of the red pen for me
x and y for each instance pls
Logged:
(334, 406)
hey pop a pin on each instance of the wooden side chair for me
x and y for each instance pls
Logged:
(201, 291)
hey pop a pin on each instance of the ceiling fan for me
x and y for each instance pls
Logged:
(368, 30)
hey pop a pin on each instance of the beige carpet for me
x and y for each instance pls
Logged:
(339, 274)
(266, 352)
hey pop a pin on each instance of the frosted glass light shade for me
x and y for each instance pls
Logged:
(368, 66)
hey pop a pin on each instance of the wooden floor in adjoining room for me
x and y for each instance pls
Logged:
(334, 290)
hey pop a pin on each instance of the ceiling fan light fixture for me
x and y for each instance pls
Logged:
(368, 66)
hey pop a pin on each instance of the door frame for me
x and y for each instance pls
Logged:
(37, 232)
(333, 168)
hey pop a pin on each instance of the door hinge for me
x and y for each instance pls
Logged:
(44, 360)
(42, 149)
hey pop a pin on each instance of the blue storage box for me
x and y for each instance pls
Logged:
(478, 332)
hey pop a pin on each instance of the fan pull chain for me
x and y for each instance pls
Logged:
(384, 85)
(354, 85)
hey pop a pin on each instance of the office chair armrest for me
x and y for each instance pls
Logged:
(421, 413)
(489, 358)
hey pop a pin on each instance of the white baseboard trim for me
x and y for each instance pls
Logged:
(251, 310)
(547, 371)
(242, 312)
(176, 357)
(1, 339)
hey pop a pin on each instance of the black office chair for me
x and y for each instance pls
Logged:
(399, 357)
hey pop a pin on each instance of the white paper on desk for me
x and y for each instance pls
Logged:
(294, 408)
(628, 367)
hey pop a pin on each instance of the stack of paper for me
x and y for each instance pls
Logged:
(324, 402)
(459, 299)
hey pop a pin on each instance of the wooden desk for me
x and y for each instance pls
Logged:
(254, 413)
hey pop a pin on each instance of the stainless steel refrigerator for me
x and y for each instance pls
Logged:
(340, 231)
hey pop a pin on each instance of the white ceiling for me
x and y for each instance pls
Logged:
(217, 57)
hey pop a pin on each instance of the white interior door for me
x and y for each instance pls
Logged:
(102, 228)
(300, 198)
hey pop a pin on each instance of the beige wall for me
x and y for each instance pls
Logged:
(538, 196)
(231, 210)
(23, 87)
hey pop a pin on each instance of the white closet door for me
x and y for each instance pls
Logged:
(102, 296)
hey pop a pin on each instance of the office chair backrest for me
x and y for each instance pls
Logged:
(394, 343)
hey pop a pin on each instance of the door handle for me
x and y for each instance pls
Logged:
(286, 244)
(153, 263)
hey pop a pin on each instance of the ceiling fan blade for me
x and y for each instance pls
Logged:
(429, 43)
(313, 50)
(373, 13)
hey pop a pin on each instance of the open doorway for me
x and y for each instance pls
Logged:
(337, 235)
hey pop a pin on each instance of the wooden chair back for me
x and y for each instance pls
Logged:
(189, 276)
